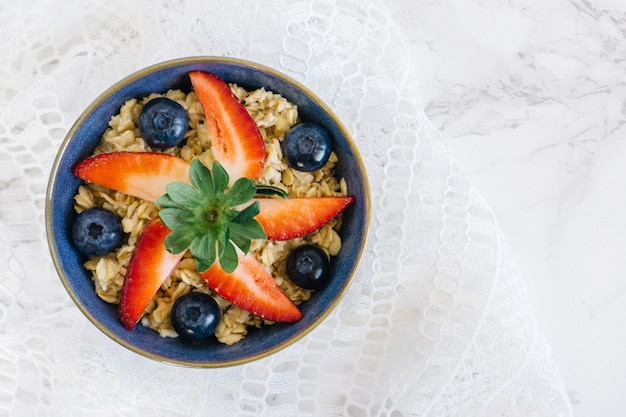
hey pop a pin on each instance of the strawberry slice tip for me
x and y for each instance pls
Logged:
(235, 137)
(140, 174)
(251, 288)
(284, 219)
(150, 265)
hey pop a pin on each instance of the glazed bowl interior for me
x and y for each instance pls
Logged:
(80, 143)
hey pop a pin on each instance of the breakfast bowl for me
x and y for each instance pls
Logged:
(70, 192)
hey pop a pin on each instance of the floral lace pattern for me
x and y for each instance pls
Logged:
(436, 322)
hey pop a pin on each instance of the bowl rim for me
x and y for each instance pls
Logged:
(137, 75)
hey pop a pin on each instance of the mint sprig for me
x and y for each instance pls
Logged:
(270, 190)
(206, 217)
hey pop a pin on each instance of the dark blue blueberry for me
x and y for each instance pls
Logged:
(307, 267)
(163, 122)
(97, 231)
(195, 316)
(306, 147)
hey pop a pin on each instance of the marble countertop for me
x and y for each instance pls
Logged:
(531, 98)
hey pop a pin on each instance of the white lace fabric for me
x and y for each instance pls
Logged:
(436, 322)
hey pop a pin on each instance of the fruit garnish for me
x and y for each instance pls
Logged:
(281, 219)
(140, 174)
(150, 265)
(97, 231)
(205, 218)
(307, 267)
(306, 147)
(163, 122)
(284, 219)
(195, 316)
(270, 190)
(235, 138)
(251, 288)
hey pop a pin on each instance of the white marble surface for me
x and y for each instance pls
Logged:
(531, 97)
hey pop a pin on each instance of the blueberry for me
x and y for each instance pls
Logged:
(306, 147)
(307, 267)
(195, 316)
(97, 231)
(163, 122)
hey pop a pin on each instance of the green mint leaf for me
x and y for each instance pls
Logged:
(203, 247)
(220, 178)
(165, 201)
(270, 191)
(222, 244)
(254, 230)
(176, 218)
(249, 230)
(228, 258)
(242, 242)
(241, 192)
(184, 194)
(247, 213)
(203, 264)
(178, 241)
(201, 178)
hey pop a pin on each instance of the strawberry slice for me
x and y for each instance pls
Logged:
(235, 137)
(251, 288)
(146, 174)
(150, 265)
(140, 174)
(284, 219)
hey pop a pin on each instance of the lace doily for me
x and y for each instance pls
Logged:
(436, 323)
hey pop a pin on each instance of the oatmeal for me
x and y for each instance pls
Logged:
(274, 116)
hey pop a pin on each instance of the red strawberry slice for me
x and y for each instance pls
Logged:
(140, 174)
(251, 288)
(150, 265)
(284, 219)
(235, 137)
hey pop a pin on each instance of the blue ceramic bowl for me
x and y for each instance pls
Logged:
(82, 139)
